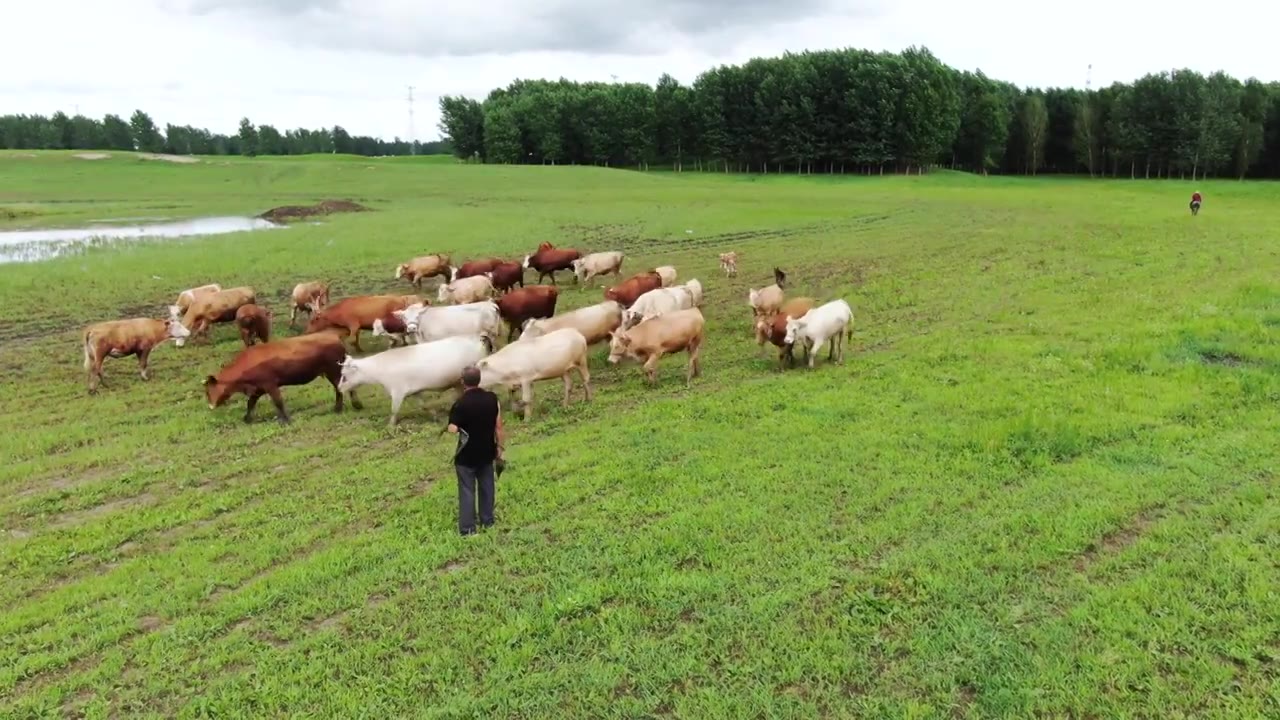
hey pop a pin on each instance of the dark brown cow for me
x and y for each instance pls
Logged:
(475, 267)
(254, 322)
(393, 327)
(517, 306)
(122, 338)
(630, 290)
(549, 260)
(507, 275)
(773, 328)
(353, 314)
(264, 369)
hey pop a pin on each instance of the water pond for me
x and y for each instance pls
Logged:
(45, 243)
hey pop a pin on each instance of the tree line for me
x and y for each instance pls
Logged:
(140, 132)
(850, 110)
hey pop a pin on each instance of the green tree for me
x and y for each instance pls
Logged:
(1035, 126)
(146, 137)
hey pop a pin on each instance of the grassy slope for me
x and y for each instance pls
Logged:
(1042, 483)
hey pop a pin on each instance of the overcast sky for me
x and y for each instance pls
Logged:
(316, 63)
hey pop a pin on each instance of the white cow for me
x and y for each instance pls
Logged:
(601, 263)
(821, 324)
(668, 275)
(595, 322)
(412, 369)
(466, 290)
(435, 323)
(695, 289)
(657, 302)
(525, 362)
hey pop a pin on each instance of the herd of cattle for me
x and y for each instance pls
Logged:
(643, 317)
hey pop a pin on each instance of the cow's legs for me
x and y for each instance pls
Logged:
(526, 398)
(396, 401)
(813, 351)
(293, 315)
(651, 368)
(568, 384)
(143, 355)
(253, 402)
(695, 365)
(281, 414)
(585, 374)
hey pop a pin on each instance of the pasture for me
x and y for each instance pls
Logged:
(1043, 482)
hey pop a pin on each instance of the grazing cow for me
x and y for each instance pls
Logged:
(519, 306)
(393, 328)
(601, 263)
(819, 325)
(420, 268)
(435, 365)
(188, 296)
(657, 302)
(122, 338)
(506, 276)
(309, 297)
(427, 324)
(523, 363)
(254, 322)
(466, 290)
(773, 328)
(473, 268)
(768, 300)
(729, 263)
(217, 307)
(353, 314)
(630, 290)
(595, 322)
(667, 273)
(695, 289)
(662, 335)
(549, 260)
(264, 369)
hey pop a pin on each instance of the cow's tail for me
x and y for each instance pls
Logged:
(89, 357)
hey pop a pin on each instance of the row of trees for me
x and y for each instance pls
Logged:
(857, 111)
(140, 132)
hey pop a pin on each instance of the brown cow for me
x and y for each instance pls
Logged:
(353, 314)
(420, 268)
(661, 335)
(518, 306)
(309, 297)
(773, 328)
(630, 290)
(472, 268)
(254, 321)
(506, 276)
(393, 328)
(122, 338)
(264, 369)
(188, 296)
(219, 307)
(549, 260)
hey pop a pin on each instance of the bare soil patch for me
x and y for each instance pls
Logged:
(184, 159)
(285, 213)
(80, 516)
(93, 156)
(1117, 540)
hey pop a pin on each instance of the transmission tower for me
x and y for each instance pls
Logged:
(412, 150)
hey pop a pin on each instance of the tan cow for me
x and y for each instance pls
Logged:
(309, 297)
(768, 300)
(729, 263)
(122, 338)
(188, 296)
(662, 335)
(219, 307)
(466, 290)
(667, 273)
(601, 263)
(420, 268)
(521, 364)
(595, 322)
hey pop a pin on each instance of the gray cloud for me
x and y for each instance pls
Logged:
(619, 27)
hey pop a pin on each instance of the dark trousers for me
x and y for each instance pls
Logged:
(471, 479)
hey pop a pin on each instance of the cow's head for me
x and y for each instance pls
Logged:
(795, 327)
(445, 294)
(216, 392)
(453, 274)
(619, 345)
(401, 269)
(409, 316)
(525, 264)
(353, 374)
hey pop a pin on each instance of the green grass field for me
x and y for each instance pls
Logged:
(1043, 483)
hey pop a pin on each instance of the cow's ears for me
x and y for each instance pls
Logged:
(210, 380)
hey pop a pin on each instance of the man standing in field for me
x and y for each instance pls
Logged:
(1195, 202)
(476, 419)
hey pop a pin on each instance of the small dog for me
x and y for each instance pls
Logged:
(729, 263)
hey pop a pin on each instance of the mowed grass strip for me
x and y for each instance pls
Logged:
(1041, 483)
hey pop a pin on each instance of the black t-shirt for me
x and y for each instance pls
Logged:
(476, 414)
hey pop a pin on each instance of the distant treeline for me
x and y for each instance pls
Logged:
(139, 132)
(852, 110)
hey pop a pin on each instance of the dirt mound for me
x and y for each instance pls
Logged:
(185, 159)
(284, 213)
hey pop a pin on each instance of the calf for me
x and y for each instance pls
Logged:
(667, 273)
(419, 268)
(254, 323)
(216, 307)
(773, 328)
(309, 297)
(427, 324)
(630, 290)
(466, 290)
(662, 335)
(595, 322)
(520, 306)
(729, 263)
(122, 338)
(264, 369)
(657, 302)
(506, 276)
(819, 325)
(523, 363)
(601, 263)
(353, 314)
(188, 296)
(768, 300)
(473, 268)
(435, 365)
(549, 260)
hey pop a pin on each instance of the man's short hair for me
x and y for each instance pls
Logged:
(471, 376)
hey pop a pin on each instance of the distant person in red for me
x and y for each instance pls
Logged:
(1195, 202)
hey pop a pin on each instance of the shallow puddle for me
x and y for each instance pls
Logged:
(45, 243)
